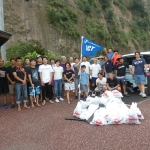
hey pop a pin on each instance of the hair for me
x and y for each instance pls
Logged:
(83, 66)
(52, 59)
(26, 58)
(44, 57)
(57, 61)
(18, 58)
(63, 57)
(2, 58)
(39, 56)
(116, 51)
(12, 59)
(137, 52)
(76, 58)
(84, 56)
(32, 60)
(100, 74)
(68, 64)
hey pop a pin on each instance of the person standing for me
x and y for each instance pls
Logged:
(102, 63)
(84, 81)
(21, 83)
(63, 62)
(58, 74)
(46, 75)
(39, 61)
(108, 66)
(11, 80)
(34, 88)
(139, 68)
(71, 63)
(4, 89)
(86, 63)
(115, 57)
(110, 53)
(69, 81)
(77, 76)
(120, 72)
(94, 70)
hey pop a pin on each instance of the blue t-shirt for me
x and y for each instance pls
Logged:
(110, 55)
(108, 66)
(84, 78)
(139, 66)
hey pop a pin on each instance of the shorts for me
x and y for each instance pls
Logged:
(35, 91)
(69, 86)
(84, 88)
(139, 79)
(11, 89)
(4, 89)
(122, 80)
(76, 82)
(100, 88)
(94, 80)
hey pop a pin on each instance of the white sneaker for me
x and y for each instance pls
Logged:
(61, 99)
(56, 100)
(143, 95)
(140, 93)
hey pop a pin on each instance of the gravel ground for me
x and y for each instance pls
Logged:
(44, 128)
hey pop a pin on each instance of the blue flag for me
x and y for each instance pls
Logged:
(90, 48)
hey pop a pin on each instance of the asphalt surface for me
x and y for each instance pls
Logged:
(45, 128)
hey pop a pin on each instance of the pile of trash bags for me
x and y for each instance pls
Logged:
(108, 109)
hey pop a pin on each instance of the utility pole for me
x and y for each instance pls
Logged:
(3, 47)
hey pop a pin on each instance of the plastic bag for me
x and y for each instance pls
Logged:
(84, 104)
(78, 110)
(117, 93)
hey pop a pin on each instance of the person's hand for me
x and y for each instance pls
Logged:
(70, 81)
(131, 72)
(105, 50)
(98, 83)
(24, 82)
(32, 85)
(42, 83)
(50, 82)
(0, 72)
(13, 83)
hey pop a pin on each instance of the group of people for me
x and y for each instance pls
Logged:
(37, 80)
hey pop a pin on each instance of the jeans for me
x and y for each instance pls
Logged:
(21, 89)
(57, 88)
(47, 90)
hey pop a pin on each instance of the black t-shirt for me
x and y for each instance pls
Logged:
(20, 74)
(121, 69)
(68, 74)
(112, 83)
(3, 78)
(34, 76)
(38, 65)
(10, 73)
(108, 66)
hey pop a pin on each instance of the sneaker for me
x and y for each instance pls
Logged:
(140, 93)
(6, 106)
(143, 95)
(13, 106)
(56, 100)
(61, 99)
(76, 97)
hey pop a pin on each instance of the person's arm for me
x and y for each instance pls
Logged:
(107, 85)
(118, 85)
(106, 54)
(16, 77)
(30, 80)
(13, 83)
(145, 67)
(51, 77)
(66, 77)
(76, 65)
(72, 77)
(132, 71)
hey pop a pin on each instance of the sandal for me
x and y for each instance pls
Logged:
(51, 101)
(26, 107)
(38, 105)
(44, 102)
(32, 106)
(19, 109)
(68, 102)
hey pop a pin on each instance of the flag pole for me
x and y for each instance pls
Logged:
(80, 71)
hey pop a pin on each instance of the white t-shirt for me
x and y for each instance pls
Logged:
(95, 70)
(58, 72)
(72, 66)
(103, 81)
(46, 72)
(87, 64)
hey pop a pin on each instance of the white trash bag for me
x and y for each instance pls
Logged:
(99, 117)
(117, 94)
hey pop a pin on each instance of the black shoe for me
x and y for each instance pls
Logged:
(126, 95)
(76, 97)
(13, 106)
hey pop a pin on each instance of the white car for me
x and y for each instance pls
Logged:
(128, 58)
